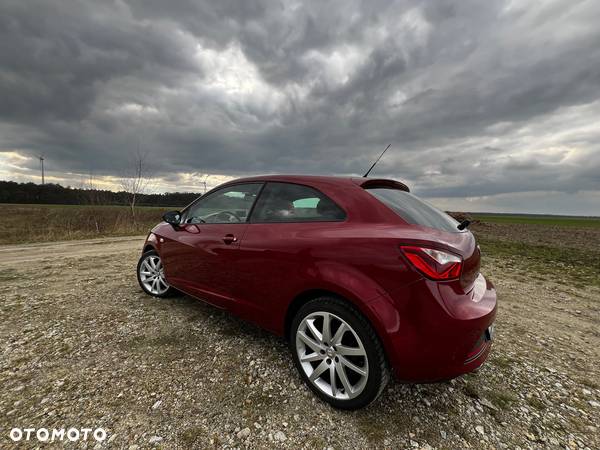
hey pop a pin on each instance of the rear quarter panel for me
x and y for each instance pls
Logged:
(278, 262)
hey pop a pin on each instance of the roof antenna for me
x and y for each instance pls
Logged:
(376, 161)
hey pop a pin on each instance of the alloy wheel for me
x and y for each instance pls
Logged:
(332, 355)
(152, 275)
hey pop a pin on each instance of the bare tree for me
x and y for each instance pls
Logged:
(92, 197)
(89, 194)
(135, 181)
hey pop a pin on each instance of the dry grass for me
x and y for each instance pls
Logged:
(45, 223)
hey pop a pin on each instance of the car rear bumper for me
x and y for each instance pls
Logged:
(443, 332)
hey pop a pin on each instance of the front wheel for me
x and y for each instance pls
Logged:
(151, 275)
(338, 353)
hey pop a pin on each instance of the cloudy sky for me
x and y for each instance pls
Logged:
(488, 105)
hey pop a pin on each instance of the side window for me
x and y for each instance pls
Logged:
(286, 202)
(414, 210)
(228, 205)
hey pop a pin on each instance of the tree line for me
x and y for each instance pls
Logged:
(13, 192)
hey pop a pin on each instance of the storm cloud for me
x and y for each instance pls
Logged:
(482, 102)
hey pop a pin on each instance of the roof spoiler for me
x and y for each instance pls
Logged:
(372, 183)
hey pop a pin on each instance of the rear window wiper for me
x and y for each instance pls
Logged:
(463, 225)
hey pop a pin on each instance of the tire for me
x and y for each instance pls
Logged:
(354, 357)
(149, 268)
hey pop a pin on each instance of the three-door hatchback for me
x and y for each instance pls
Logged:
(362, 277)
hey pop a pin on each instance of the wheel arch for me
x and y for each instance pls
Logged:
(148, 247)
(151, 243)
(301, 299)
(304, 297)
(379, 313)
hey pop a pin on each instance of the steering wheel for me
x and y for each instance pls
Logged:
(230, 214)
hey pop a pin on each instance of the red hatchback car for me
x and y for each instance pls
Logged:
(359, 275)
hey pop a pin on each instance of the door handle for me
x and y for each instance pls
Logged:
(229, 238)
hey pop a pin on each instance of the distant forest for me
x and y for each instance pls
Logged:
(12, 192)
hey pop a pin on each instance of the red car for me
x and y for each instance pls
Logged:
(362, 277)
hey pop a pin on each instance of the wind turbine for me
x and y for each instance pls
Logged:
(42, 165)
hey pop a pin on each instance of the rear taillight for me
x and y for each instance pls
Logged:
(434, 264)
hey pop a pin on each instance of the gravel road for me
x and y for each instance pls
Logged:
(82, 346)
(12, 255)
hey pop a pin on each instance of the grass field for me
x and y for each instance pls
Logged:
(551, 246)
(573, 265)
(534, 219)
(45, 223)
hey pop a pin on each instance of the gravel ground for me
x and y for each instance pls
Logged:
(82, 346)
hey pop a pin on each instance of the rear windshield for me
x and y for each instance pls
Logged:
(414, 210)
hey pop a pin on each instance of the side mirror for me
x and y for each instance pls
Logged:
(172, 218)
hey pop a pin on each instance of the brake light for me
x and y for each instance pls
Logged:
(434, 264)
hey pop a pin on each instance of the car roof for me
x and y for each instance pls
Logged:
(316, 180)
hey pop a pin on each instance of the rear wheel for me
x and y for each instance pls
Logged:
(337, 353)
(151, 275)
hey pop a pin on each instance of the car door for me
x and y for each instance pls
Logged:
(288, 234)
(199, 255)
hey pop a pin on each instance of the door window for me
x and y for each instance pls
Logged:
(228, 205)
(287, 202)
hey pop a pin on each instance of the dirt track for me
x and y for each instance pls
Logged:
(81, 345)
(11, 255)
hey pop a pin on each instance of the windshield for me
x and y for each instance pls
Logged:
(414, 210)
